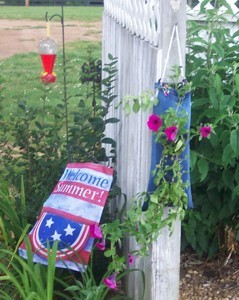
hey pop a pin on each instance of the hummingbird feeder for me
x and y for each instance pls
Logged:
(48, 50)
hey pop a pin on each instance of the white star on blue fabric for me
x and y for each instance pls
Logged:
(56, 236)
(69, 230)
(49, 223)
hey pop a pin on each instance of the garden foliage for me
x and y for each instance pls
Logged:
(34, 147)
(37, 142)
(213, 70)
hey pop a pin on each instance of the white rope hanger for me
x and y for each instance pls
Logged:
(175, 30)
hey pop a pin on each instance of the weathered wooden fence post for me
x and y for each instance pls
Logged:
(127, 31)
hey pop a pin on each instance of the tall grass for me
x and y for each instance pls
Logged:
(23, 279)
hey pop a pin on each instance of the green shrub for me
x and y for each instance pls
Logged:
(213, 69)
(34, 147)
(37, 142)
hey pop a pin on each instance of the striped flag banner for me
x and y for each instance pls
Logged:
(75, 204)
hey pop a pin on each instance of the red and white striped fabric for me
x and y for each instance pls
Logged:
(76, 203)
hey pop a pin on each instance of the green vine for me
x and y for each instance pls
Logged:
(170, 131)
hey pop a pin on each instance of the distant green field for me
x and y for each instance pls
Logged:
(77, 13)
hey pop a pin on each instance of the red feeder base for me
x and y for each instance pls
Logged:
(48, 78)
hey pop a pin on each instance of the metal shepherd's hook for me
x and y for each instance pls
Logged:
(64, 72)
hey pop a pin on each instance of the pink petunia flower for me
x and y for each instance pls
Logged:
(171, 133)
(166, 93)
(111, 281)
(205, 131)
(154, 122)
(95, 231)
(131, 259)
(101, 245)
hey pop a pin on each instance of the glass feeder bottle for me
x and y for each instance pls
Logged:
(48, 50)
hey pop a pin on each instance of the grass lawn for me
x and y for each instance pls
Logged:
(21, 77)
(77, 13)
(20, 74)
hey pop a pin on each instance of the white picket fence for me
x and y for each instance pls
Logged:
(142, 17)
(138, 33)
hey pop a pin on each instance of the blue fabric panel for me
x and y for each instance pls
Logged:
(164, 103)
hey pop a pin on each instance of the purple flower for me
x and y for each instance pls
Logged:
(205, 131)
(131, 259)
(165, 89)
(101, 245)
(166, 93)
(171, 133)
(154, 122)
(111, 281)
(184, 81)
(95, 231)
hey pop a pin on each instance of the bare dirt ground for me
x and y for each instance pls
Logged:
(21, 36)
(200, 279)
(209, 280)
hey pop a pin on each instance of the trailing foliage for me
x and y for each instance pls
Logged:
(149, 212)
(213, 69)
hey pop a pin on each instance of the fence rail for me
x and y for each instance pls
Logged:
(142, 17)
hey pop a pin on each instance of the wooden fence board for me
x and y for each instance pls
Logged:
(139, 65)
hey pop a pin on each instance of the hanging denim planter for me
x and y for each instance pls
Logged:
(169, 99)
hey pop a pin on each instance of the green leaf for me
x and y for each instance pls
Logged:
(203, 6)
(214, 141)
(154, 198)
(51, 254)
(213, 97)
(228, 179)
(236, 174)
(108, 141)
(234, 141)
(110, 56)
(109, 253)
(38, 125)
(202, 241)
(219, 50)
(235, 192)
(136, 106)
(237, 82)
(112, 120)
(228, 6)
(203, 168)
(179, 145)
(127, 108)
(217, 83)
(228, 155)
(199, 102)
(193, 159)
